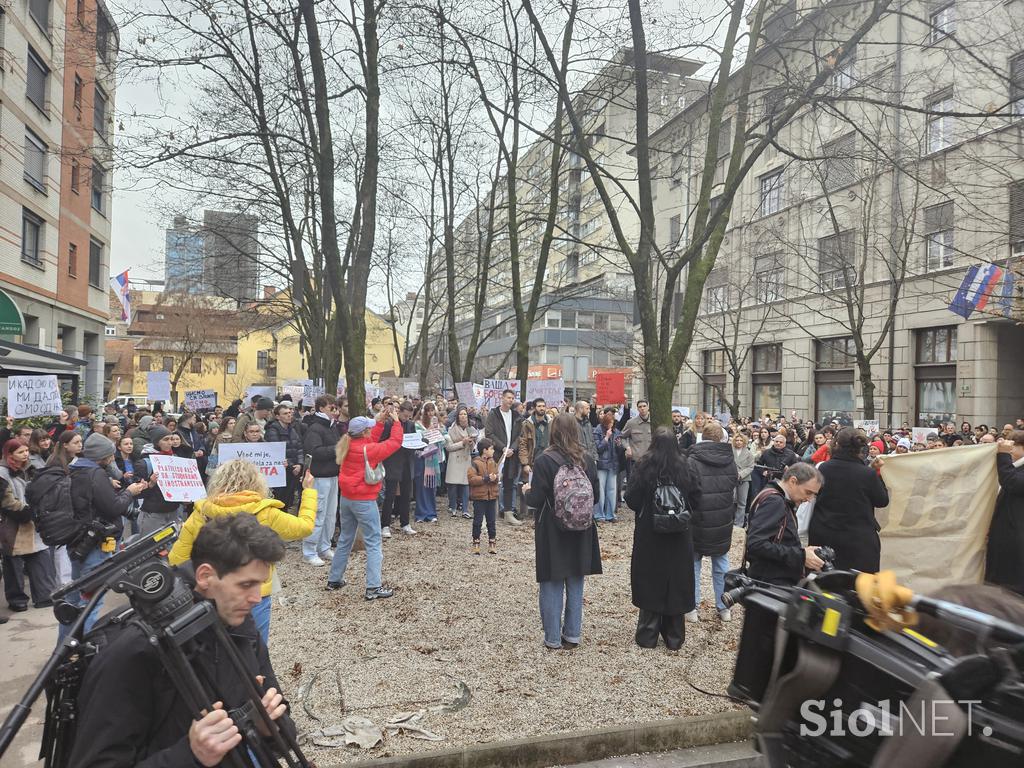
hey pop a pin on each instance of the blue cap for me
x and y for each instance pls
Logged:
(360, 424)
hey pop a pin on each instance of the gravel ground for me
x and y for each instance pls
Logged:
(455, 616)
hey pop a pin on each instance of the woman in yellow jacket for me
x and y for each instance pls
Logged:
(238, 486)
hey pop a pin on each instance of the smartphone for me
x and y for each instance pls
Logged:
(306, 461)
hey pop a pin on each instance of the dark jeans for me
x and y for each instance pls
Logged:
(650, 625)
(42, 578)
(485, 508)
(396, 503)
(286, 494)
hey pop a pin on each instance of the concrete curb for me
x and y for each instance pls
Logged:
(578, 747)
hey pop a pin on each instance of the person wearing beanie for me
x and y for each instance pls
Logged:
(903, 445)
(94, 498)
(23, 549)
(156, 510)
(140, 435)
(259, 414)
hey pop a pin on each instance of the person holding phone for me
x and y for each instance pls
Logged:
(282, 429)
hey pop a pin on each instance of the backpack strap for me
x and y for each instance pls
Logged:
(764, 494)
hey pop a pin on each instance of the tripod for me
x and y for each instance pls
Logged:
(164, 609)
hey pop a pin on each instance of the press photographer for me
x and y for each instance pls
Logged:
(131, 711)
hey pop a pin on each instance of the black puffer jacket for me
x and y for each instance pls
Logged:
(715, 465)
(776, 460)
(94, 497)
(276, 432)
(321, 439)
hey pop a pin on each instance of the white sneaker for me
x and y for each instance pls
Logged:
(692, 617)
(725, 614)
(408, 530)
(328, 555)
(314, 560)
(385, 532)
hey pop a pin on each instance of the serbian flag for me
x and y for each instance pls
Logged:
(120, 285)
(976, 289)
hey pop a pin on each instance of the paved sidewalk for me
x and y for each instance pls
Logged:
(738, 755)
(26, 642)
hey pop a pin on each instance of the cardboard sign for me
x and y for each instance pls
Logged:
(431, 436)
(262, 391)
(158, 385)
(269, 457)
(29, 396)
(493, 389)
(868, 425)
(466, 392)
(178, 479)
(310, 392)
(201, 400)
(611, 388)
(551, 390)
(413, 441)
(920, 434)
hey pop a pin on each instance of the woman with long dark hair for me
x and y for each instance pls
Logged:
(69, 446)
(844, 514)
(661, 569)
(39, 447)
(564, 557)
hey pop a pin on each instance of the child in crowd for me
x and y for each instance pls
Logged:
(483, 490)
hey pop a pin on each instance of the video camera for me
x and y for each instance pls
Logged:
(811, 665)
(162, 604)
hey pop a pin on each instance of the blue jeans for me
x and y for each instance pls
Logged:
(485, 509)
(326, 511)
(607, 480)
(719, 565)
(551, 599)
(80, 568)
(458, 497)
(364, 515)
(261, 615)
(426, 498)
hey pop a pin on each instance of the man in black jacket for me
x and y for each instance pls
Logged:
(398, 476)
(713, 462)
(502, 426)
(283, 430)
(130, 712)
(322, 436)
(774, 461)
(774, 550)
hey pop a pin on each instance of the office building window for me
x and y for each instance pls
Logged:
(939, 125)
(31, 238)
(938, 232)
(95, 263)
(839, 168)
(109, 330)
(769, 277)
(231, 367)
(942, 23)
(675, 231)
(168, 365)
(1016, 218)
(99, 112)
(102, 35)
(716, 291)
(771, 192)
(99, 182)
(262, 359)
(835, 261)
(72, 260)
(37, 74)
(714, 380)
(833, 379)
(935, 375)
(79, 87)
(145, 363)
(844, 75)
(1017, 85)
(36, 153)
(767, 380)
(39, 10)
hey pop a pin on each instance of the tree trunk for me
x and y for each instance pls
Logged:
(867, 386)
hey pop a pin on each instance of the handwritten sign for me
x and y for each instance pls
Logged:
(431, 436)
(310, 392)
(413, 441)
(493, 389)
(868, 425)
(465, 391)
(920, 434)
(269, 457)
(158, 385)
(29, 396)
(552, 391)
(611, 388)
(201, 400)
(178, 478)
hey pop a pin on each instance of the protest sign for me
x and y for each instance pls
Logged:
(411, 388)
(431, 436)
(870, 426)
(464, 390)
(478, 394)
(920, 434)
(940, 505)
(261, 390)
(611, 388)
(29, 396)
(310, 392)
(158, 386)
(413, 441)
(269, 457)
(493, 389)
(551, 390)
(201, 400)
(178, 479)
(294, 391)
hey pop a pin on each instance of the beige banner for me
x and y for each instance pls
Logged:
(940, 506)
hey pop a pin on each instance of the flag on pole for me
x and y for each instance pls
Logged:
(1006, 302)
(120, 285)
(976, 289)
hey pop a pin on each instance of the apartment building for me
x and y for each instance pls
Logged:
(858, 226)
(56, 106)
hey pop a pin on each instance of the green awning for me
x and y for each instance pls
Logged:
(11, 321)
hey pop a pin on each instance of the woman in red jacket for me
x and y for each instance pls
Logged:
(358, 499)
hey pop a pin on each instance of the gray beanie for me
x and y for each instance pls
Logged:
(144, 422)
(97, 447)
(157, 433)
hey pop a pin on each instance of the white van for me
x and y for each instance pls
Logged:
(121, 401)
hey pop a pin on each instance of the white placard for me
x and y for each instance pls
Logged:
(920, 434)
(552, 391)
(310, 392)
(868, 425)
(493, 389)
(433, 436)
(262, 391)
(158, 386)
(295, 391)
(178, 478)
(201, 400)
(29, 396)
(269, 457)
(413, 440)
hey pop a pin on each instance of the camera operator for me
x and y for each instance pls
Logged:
(774, 550)
(130, 710)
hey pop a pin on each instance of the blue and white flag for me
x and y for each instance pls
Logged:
(120, 285)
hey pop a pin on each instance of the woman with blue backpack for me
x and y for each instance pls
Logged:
(562, 490)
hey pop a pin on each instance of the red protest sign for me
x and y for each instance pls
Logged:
(611, 388)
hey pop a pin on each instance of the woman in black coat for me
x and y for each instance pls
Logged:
(1005, 560)
(563, 557)
(660, 572)
(844, 514)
